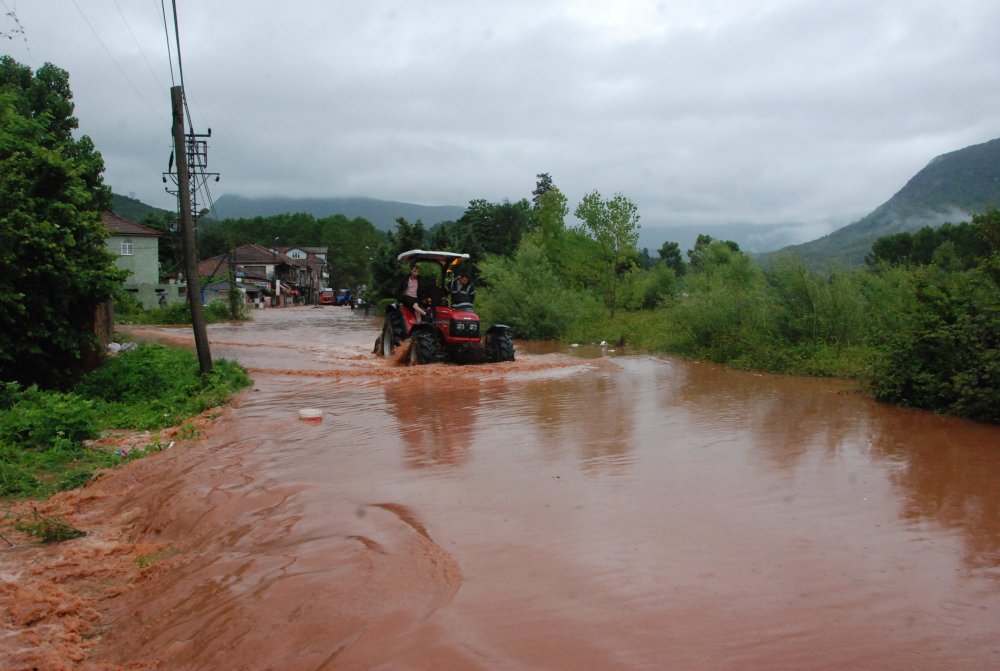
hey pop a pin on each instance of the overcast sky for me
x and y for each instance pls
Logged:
(799, 112)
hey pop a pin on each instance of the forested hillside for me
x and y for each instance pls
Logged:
(950, 189)
(135, 210)
(381, 213)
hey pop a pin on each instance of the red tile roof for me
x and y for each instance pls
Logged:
(248, 254)
(119, 225)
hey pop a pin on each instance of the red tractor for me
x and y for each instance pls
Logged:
(447, 332)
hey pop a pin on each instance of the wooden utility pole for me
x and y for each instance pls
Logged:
(188, 237)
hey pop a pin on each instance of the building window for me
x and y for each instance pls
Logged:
(127, 249)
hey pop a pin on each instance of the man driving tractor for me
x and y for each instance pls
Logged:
(436, 330)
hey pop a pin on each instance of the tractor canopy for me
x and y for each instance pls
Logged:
(445, 259)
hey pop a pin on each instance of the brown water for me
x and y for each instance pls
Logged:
(575, 509)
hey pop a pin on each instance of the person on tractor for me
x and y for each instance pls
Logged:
(462, 290)
(408, 291)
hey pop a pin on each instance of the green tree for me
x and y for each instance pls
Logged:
(725, 314)
(385, 268)
(494, 228)
(670, 254)
(987, 228)
(549, 219)
(704, 243)
(54, 267)
(542, 187)
(614, 225)
(351, 244)
(526, 293)
(442, 236)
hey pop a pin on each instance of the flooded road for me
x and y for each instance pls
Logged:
(574, 509)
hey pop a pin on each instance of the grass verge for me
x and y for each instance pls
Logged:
(47, 438)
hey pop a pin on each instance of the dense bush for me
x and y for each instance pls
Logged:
(42, 433)
(725, 311)
(152, 386)
(525, 294)
(808, 308)
(38, 419)
(648, 290)
(180, 313)
(949, 357)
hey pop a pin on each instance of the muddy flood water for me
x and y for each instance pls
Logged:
(578, 508)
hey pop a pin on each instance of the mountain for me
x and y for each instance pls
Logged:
(134, 210)
(381, 213)
(951, 188)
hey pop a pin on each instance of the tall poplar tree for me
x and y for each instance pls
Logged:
(614, 224)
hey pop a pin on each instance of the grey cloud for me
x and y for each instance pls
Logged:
(793, 113)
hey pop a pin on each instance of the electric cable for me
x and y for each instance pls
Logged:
(142, 51)
(177, 41)
(115, 61)
(166, 31)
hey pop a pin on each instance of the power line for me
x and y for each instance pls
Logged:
(196, 144)
(180, 65)
(136, 42)
(166, 31)
(115, 61)
(177, 41)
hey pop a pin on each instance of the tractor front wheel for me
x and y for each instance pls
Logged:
(424, 347)
(393, 332)
(499, 347)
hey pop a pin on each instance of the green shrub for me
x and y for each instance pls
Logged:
(725, 314)
(221, 311)
(810, 308)
(948, 357)
(152, 386)
(15, 479)
(40, 419)
(180, 313)
(646, 290)
(127, 304)
(137, 375)
(525, 294)
(10, 392)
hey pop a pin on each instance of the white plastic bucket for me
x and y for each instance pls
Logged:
(311, 415)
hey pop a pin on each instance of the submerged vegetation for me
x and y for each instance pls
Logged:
(44, 434)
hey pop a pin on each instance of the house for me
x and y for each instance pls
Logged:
(315, 259)
(261, 273)
(137, 250)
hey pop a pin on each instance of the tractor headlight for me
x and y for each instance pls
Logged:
(464, 328)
